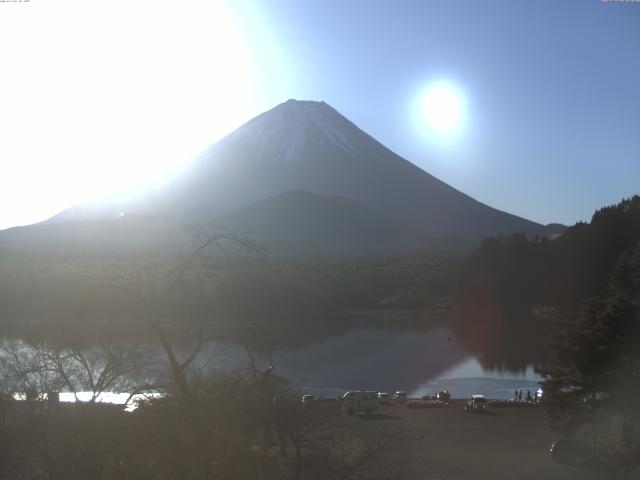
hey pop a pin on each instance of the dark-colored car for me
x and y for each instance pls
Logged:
(443, 396)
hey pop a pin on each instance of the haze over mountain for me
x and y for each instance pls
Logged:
(304, 145)
(303, 176)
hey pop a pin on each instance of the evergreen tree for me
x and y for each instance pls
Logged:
(594, 361)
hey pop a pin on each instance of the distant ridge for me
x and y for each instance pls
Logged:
(306, 223)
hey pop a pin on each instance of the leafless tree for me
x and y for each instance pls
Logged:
(33, 371)
(190, 278)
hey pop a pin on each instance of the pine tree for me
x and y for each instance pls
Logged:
(595, 359)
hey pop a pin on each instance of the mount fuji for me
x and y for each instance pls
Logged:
(303, 177)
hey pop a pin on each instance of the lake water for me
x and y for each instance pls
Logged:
(416, 361)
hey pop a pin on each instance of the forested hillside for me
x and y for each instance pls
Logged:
(510, 288)
(558, 272)
(88, 297)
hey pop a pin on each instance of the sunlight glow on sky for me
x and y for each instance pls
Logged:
(97, 96)
(442, 108)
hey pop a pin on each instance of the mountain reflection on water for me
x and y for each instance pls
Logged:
(417, 361)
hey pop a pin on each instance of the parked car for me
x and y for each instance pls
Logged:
(476, 404)
(383, 396)
(443, 395)
(360, 401)
(308, 400)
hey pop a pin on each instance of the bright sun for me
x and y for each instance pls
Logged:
(442, 108)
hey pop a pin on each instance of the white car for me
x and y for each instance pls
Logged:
(476, 404)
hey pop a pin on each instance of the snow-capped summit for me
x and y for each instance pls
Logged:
(296, 126)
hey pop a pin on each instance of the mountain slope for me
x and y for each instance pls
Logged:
(308, 146)
(303, 145)
(110, 238)
(300, 222)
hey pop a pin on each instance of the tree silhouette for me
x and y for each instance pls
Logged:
(592, 377)
(506, 280)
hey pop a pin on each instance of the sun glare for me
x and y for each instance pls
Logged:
(99, 96)
(442, 108)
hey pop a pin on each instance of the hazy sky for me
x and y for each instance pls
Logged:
(101, 95)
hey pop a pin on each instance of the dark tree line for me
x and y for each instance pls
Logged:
(511, 288)
(592, 375)
(291, 300)
(562, 271)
